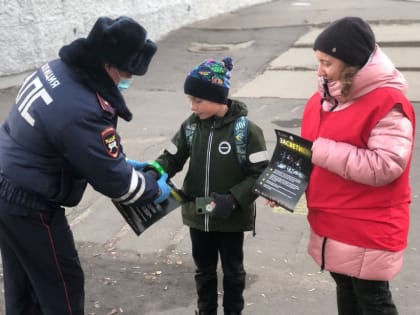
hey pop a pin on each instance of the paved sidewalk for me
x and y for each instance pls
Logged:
(401, 42)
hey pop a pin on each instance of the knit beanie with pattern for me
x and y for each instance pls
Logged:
(349, 39)
(210, 80)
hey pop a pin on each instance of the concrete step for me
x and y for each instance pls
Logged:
(293, 73)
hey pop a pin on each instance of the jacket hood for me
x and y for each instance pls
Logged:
(377, 73)
(235, 109)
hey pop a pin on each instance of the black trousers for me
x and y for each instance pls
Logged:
(42, 272)
(363, 297)
(206, 247)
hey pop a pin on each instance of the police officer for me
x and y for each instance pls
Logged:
(59, 136)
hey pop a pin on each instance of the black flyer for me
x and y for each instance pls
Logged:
(139, 218)
(286, 177)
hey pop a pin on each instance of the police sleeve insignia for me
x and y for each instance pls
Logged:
(110, 141)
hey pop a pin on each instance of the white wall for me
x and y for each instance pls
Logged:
(32, 31)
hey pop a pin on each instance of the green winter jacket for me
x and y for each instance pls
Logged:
(214, 167)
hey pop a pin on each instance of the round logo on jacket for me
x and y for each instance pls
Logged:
(224, 148)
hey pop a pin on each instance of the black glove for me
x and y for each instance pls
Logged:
(223, 205)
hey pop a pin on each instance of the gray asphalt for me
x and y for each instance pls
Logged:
(273, 73)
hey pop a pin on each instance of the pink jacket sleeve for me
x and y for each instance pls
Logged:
(389, 150)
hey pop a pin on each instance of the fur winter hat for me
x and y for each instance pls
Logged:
(123, 44)
(120, 42)
(210, 80)
(349, 39)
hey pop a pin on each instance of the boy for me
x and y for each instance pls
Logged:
(207, 138)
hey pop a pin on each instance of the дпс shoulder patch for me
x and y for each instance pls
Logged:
(110, 141)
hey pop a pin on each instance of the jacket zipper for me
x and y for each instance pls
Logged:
(207, 179)
(324, 243)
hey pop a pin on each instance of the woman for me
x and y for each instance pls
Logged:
(362, 128)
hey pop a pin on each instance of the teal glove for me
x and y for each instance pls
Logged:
(139, 166)
(156, 171)
(164, 188)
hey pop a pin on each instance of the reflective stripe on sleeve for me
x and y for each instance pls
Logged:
(141, 190)
(135, 185)
(258, 157)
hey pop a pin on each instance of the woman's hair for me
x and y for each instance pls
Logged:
(347, 79)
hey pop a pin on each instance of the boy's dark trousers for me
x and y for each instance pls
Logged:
(42, 272)
(363, 297)
(206, 247)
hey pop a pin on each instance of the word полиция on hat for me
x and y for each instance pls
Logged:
(349, 39)
(210, 80)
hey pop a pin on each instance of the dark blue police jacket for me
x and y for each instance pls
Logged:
(58, 137)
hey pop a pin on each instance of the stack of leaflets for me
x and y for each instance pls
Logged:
(286, 177)
(139, 218)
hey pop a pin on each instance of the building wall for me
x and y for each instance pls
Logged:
(32, 31)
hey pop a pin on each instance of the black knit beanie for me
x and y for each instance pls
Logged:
(349, 39)
(210, 80)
